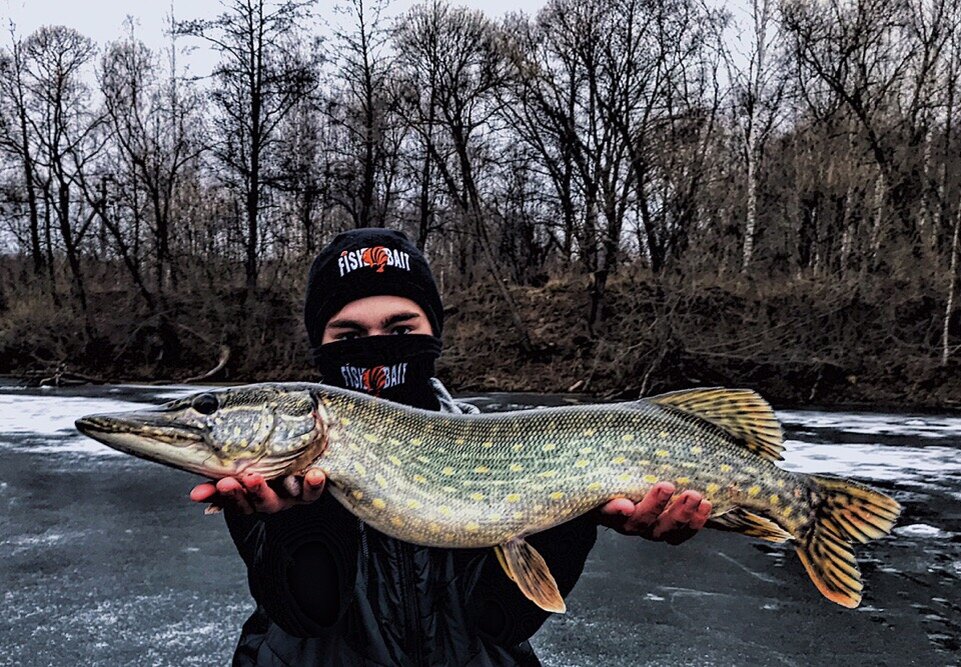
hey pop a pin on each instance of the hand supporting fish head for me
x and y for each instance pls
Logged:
(272, 430)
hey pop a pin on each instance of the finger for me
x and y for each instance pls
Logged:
(314, 482)
(262, 497)
(619, 507)
(238, 498)
(650, 508)
(678, 515)
(202, 493)
(701, 515)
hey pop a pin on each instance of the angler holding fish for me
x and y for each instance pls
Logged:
(331, 589)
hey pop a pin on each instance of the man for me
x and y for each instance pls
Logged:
(331, 590)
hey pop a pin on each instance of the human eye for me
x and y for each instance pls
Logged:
(348, 335)
(401, 329)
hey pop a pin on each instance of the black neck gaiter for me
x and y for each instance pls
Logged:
(397, 368)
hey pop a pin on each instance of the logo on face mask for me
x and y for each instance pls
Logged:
(376, 379)
(376, 257)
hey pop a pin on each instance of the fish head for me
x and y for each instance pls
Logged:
(265, 429)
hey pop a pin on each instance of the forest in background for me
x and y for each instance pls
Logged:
(617, 196)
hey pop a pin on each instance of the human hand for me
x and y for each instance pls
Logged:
(251, 493)
(656, 517)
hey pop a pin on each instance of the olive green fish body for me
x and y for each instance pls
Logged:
(490, 480)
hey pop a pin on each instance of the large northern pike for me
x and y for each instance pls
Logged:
(491, 480)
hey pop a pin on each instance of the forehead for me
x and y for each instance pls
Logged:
(373, 310)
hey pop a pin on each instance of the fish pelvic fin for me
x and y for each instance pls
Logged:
(740, 412)
(528, 569)
(739, 520)
(849, 512)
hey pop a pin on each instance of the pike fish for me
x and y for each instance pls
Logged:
(491, 480)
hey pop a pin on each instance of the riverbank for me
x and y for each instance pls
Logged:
(798, 343)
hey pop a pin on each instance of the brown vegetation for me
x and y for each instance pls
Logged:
(615, 195)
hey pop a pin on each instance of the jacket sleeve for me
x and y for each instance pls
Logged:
(501, 611)
(301, 563)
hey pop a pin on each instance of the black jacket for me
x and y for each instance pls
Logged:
(331, 590)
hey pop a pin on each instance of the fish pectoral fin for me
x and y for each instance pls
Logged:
(528, 569)
(739, 520)
(740, 412)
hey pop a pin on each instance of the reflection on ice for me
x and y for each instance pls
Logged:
(893, 463)
(919, 426)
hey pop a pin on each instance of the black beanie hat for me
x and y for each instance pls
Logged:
(368, 262)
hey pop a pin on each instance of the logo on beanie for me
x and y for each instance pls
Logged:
(376, 379)
(376, 257)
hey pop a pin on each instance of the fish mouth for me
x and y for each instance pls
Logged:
(151, 436)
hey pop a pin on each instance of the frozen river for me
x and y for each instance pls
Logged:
(106, 562)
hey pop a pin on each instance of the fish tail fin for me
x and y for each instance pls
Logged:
(848, 512)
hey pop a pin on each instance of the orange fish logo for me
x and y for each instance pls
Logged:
(376, 257)
(374, 380)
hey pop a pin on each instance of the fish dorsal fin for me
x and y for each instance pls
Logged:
(527, 568)
(741, 521)
(740, 412)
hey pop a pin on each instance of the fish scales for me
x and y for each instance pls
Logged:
(480, 480)
(491, 480)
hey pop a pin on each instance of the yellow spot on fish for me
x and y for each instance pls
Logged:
(482, 469)
(624, 477)
(433, 527)
(444, 510)
(448, 489)
(644, 462)
(420, 479)
(697, 449)
(594, 486)
(663, 453)
(472, 527)
(487, 444)
(627, 437)
(754, 490)
(359, 467)
(775, 499)
(358, 495)
(586, 450)
(344, 421)
(380, 480)
(378, 503)
(516, 467)
(649, 479)
(780, 484)
(396, 521)
(750, 470)
(372, 437)
(547, 473)
(476, 496)
(549, 447)
(518, 516)
(423, 459)
(617, 460)
(663, 434)
(683, 480)
(513, 497)
(393, 459)
(725, 467)
(787, 511)
(582, 463)
(557, 495)
(588, 432)
(416, 442)
(713, 488)
(494, 517)
(447, 470)
(518, 447)
(414, 504)
(458, 441)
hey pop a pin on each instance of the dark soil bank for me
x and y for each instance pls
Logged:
(817, 343)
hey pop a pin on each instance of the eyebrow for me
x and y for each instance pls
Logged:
(390, 321)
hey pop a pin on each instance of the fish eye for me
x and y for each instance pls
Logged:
(205, 404)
